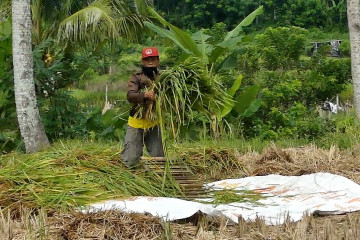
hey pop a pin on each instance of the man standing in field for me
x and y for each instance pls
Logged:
(141, 129)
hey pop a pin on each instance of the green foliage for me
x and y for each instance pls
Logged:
(347, 94)
(280, 47)
(340, 69)
(288, 98)
(245, 99)
(217, 31)
(302, 13)
(87, 21)
(290, 86)
(296, 122)
(110, 125)
(172, 55)
(345, 49)
(9, 134)
(306, 13)
(7, 102)
(9, 141)
(345, 133)
(192, 85)
(231, 91)
(62, 116)
(197, 45)
(178, 36)
(48, 76)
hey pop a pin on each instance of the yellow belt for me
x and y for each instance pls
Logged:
(141, 123)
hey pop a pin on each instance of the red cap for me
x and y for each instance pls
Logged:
(150, 52)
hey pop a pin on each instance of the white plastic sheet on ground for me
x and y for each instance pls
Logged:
(286, 195)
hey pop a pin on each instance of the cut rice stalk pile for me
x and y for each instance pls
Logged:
(62, 178)
(212, 164)
(185, 89)
(227, 196)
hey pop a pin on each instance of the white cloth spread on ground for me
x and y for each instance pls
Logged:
(285, 196)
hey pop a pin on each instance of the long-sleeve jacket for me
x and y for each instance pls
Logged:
(137, 87)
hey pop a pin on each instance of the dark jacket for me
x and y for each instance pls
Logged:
(137, 84)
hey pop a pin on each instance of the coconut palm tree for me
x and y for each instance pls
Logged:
(353, 13)
(31, 128)
(77, 20)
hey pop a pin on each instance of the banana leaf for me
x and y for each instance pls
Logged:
(233, 38)
(245, 99)
(182, 38)
(229, 105)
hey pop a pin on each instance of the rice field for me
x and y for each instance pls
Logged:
(39, 192)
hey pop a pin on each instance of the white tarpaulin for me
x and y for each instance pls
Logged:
(285, 195)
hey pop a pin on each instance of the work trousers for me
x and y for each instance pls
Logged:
(134, 144)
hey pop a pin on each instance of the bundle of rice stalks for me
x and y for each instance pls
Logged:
(298, 161)
(212, 164)
(184, 89)
(63, 178)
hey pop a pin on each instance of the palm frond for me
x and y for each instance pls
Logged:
(5, 9)
(94, 22)
(103, 19)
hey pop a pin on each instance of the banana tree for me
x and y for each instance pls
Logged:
(197, 45)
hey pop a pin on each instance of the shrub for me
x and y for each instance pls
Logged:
(62, 116)
(345, 48)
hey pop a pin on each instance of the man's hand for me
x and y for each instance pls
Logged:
(150, 95)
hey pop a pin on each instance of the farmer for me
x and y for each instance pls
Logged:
(140, 128)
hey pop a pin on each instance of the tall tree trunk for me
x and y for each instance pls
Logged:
(31, 128)
(353, 14)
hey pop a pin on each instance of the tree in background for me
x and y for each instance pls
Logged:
(302, 13)
(354, 31)
(31, 127)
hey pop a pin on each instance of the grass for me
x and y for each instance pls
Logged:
(84, 95)
(346, 135)
(89, 98)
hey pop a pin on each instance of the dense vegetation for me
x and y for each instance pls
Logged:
(275, 82)
(325, 14)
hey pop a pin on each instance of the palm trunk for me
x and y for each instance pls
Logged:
(31, 128)
(353, 14)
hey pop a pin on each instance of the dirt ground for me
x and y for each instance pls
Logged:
(116, 225)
